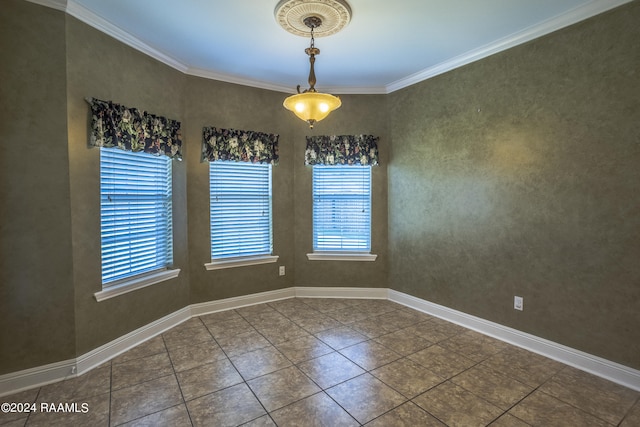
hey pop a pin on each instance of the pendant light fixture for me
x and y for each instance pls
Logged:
(320, 17)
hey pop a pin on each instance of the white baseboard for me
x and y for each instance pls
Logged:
(341, 292)
(41, 375)
(126, 342)
(607, 369)
(16, 382)
(241, 301)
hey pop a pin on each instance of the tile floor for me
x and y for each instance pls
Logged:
(330, 362)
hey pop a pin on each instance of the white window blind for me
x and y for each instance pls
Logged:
(240, 208)
(135, 213)
(342, 208)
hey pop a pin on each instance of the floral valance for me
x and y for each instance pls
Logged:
(239, 146)
(342, 150)
(114, 125)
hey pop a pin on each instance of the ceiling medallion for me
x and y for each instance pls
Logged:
(334, 14)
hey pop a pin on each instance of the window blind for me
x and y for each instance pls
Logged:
(341, 208)
(240, 208)
(135, 213)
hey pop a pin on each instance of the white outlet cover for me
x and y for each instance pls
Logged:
(518, 303)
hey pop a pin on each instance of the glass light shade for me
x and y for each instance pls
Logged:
(312, 106)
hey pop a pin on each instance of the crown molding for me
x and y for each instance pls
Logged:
(85, 15)
(228, 78)
(571, 17)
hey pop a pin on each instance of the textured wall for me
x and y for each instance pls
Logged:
(519, 175)
(225, 105)
(101, 67)
(359, 114)
(36, 291)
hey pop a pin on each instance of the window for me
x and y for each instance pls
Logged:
(135, 214)
(240, 209)
(342, 211)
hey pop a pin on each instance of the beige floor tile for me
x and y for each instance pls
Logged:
(349, 315)
(460, 378)
(303, 348)
(144, 399)
(27, 396)
(176, 416)
(370, 354)
(208, 378)
(243, 343)
(456, 406)
(406, 415)
(266, 319)
(340, 337)
(594, 395)
(502, 391)
(541, 409)
(90, 411)
(434, 330)
(633, 417)
(191, 356)
(282, 388)
(365, 397)
(330, 369)
(442, 362)
(371, 327)
(263, 421)
(473, 345)
(19, 422)
(403, 342)
(281, 332)
(259, 362)
(153, 346)
(527, 367)
(256, 309)
(220, 316)
(135, 371)
(400, 319)
(228, 407)
(376, 307)
(228, 328)
(325, 305)
(300, 313)
(195, 333)
(407, 377)
(318, 410)
(317, 323)
(508, 420)
(92, 383)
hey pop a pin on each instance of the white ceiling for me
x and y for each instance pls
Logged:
(388, 45)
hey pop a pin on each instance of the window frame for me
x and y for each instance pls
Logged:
(226, 188)
(158, 273)
(336, 253)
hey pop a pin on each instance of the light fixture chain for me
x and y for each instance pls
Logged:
(313, 41)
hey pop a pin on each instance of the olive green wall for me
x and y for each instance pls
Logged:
(359, 114)
(225, 105)
(36, 287)
(532, 195)
(101, 67)
(519, 175)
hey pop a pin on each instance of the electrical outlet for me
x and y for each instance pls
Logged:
(518, 303)
(281, 270)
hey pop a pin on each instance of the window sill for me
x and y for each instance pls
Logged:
(240, 262)
(131, 284)
(341, 256)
